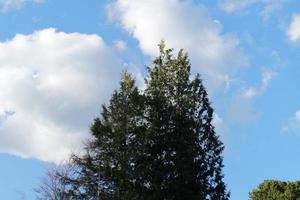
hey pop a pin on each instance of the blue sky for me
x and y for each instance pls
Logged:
(60, 60)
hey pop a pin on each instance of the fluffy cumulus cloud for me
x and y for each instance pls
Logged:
(6, 5)
(293, 31)
(182, 25)
(51, 87)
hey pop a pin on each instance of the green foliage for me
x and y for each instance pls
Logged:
(184, 160)
(276, 190)
(108, 169)
(156, 144)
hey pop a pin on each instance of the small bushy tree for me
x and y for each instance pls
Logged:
(276, 190)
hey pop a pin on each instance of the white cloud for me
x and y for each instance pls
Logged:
(220, 127)
(241, 108)
(293, 31)
(230, 6)
(268, 6)
(217, 122)
(182, 25)
(120, 45)
(271, 7)
(250, 92)
(51, 87)
(267, 76)
(6, 5)
(293, 123)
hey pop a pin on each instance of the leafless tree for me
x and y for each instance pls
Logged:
(53, 186)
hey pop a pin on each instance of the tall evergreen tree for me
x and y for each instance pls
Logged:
(155, 145)
(108, 169)
(184, 160)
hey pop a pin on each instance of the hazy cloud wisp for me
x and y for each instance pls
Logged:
(6, 5)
